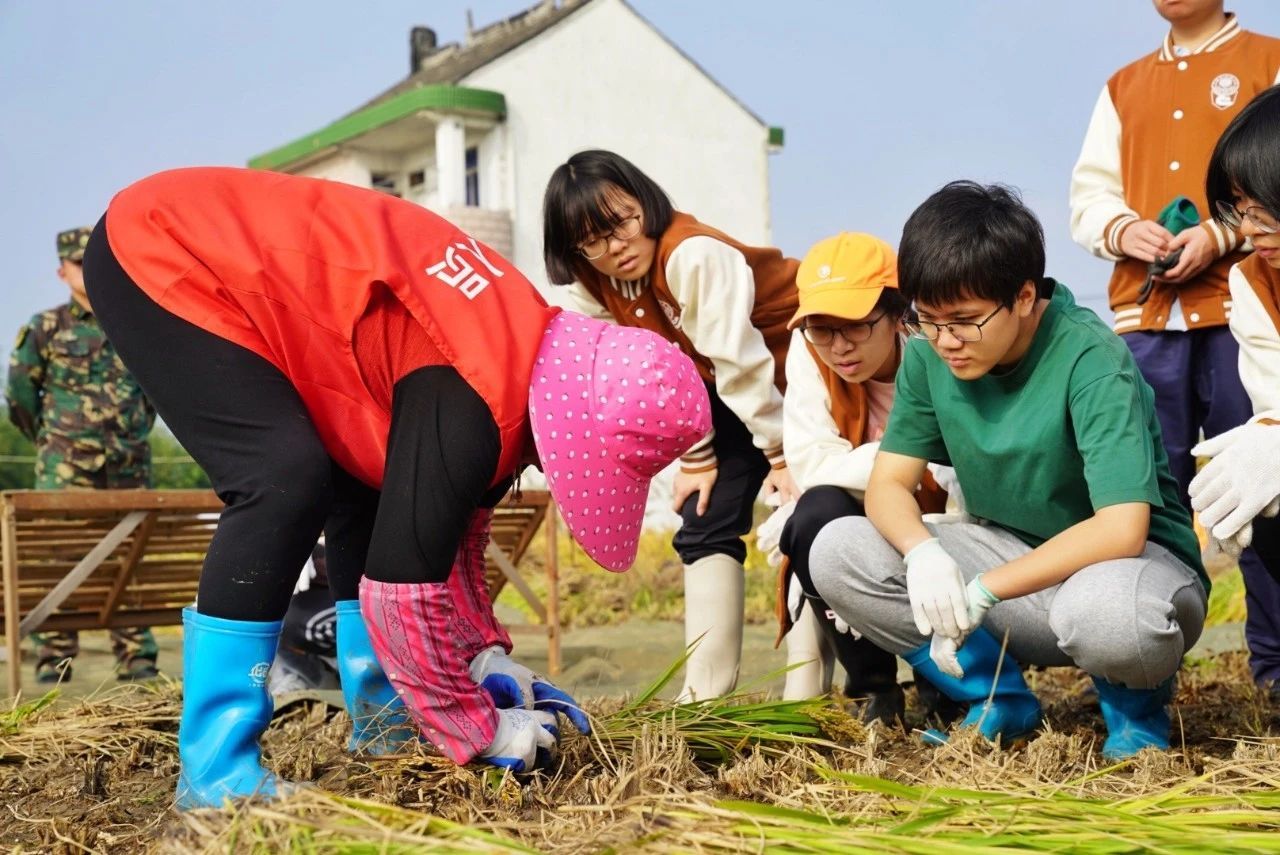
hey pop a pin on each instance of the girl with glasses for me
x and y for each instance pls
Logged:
(612, 236)
(844, 356)
(1243, 479)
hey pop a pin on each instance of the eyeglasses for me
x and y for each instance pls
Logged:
(960, 330)
(624, 231)
(854, 333)
(1262, 219)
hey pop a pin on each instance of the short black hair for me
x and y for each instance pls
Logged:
(892, 303)
(970, 241)
(1247, 156)
(576, 206)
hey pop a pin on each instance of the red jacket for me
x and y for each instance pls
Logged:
(285, 267)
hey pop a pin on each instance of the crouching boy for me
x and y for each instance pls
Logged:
(1084, 556)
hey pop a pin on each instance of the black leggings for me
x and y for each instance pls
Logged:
(867, 667)
(245, 424)
(741, 470)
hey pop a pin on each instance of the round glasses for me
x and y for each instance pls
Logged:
(854, 332)
(967, 331)
(598, 246)
(1261, 218)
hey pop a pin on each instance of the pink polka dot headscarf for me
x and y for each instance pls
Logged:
(610, 407)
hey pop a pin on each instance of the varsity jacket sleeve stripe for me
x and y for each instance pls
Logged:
(816, 452)
(1098, 209)
(576, 298)
(1259, 346)
(716, 291)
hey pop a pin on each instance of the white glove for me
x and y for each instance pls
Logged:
(512, 685)
(521, 733)
(857, 467)
(942, 650)
(769, 534)
(842, 627)
(946, 478)
(936, 590)
(1241, 481)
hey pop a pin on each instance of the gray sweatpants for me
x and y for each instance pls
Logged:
(1128, 621)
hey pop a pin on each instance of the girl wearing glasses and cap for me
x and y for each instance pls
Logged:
(339, 359)
(840, 385)
(1238, 491)
(611, 235)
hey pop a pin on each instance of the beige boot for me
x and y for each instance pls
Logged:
(807, 644)
(713, 603)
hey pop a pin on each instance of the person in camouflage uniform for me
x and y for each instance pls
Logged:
(70, 394)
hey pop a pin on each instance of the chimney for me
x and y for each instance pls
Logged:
(422, 43)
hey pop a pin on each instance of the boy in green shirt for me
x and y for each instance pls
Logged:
(1083, 553)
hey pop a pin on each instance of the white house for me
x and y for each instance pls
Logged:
(476, 129)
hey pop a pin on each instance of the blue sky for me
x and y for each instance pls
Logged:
(882, 101)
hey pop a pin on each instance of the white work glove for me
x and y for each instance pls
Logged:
(512, 685)
(942, 649)
(1241, 482)
(857, 467)
(522, 736)
(946, 478)
(936, 590)
(769, 534)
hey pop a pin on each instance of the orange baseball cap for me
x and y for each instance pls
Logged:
(843, 276)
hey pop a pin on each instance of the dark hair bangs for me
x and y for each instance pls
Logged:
(970, 241)
(892, 303)
(579, 204)
(1247, 156)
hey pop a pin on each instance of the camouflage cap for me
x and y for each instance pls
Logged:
(72, 242)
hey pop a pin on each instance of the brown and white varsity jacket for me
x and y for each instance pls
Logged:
(1255, 322)
(1150, 138)
(726, 305)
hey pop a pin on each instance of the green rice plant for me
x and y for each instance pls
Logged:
(11, 720)
(1226, 599)
(922, 819)
(719, 729)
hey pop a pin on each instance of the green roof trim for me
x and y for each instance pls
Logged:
(451, 99)
(777, 136)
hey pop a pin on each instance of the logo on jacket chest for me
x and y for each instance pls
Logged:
(459, 269)
(672, 313)
(1224, 90)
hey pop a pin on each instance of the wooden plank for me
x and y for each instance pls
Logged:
(127, 566)
(497, 556)
(167, 615)
(12, 637)
(553, 591)
(107, 501)
(73, 579)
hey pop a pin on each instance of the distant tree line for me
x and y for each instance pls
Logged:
(172, 468)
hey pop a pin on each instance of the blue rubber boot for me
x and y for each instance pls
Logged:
(225, 709)
(1136, 718)
(380, 722)
(1013, 711)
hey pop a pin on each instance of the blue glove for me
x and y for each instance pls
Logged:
(526, 740)
(516, 686)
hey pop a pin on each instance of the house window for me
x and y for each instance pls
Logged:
(472, 172)
(417, 178)
(384, 182)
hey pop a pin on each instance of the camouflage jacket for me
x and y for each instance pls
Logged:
(70, 394)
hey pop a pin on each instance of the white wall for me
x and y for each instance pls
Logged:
(602, 78)
(346, 167)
